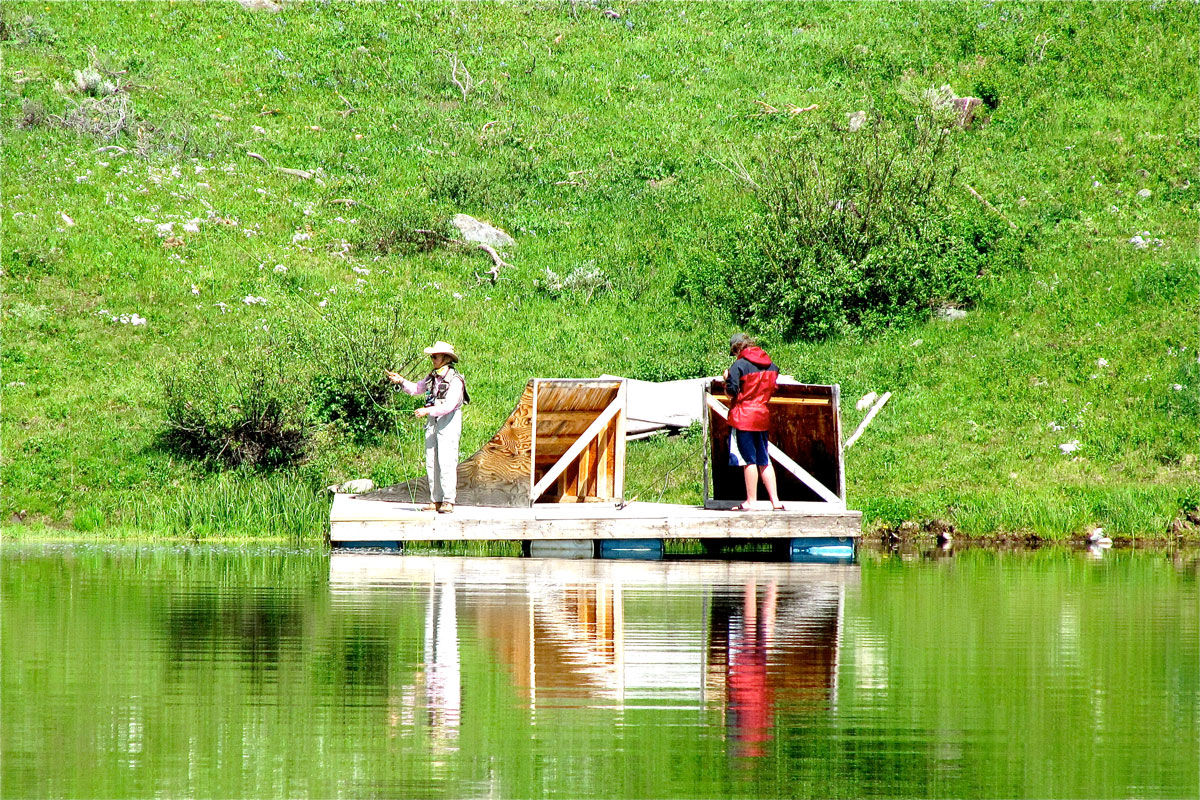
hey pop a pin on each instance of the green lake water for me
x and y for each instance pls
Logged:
(255, 672)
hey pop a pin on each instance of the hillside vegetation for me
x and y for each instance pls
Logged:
(157, 261)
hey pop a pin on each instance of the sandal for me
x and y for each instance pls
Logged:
(742, 507)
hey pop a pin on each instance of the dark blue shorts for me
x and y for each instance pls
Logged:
(748, 447)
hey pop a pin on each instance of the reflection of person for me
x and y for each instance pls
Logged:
(750, 382)
(445, 392)
(751, 699)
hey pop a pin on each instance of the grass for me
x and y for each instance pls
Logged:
(599, 144)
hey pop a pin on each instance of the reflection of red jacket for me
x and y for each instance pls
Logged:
(751, 383)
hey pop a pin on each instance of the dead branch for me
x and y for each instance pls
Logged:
(796, 110)
(459, 75)
(349, 108)
(497, 261)
(112, 148)
(256, 155)
(990, 207)
(741, 174)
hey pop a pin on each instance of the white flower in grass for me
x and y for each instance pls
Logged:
(1054, 426)
(458, 296)
(1101, 362)
(280, 268)
(165, 229)
(1177, 387)
(195, 290)
(251, 300)
(301, 236)
(192, 226)
(221, 306)
(1069, 447)
(361, 270)
(323, 303)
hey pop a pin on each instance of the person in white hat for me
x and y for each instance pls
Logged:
(445, 391)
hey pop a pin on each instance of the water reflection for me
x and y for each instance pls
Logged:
(722, 637)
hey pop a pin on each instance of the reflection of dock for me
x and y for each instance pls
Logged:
(727, 635)
(358, 520)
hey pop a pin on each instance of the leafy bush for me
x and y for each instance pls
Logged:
(347, 354)
(263, 406)
(854, 230)
(402, 232)
(246, 408)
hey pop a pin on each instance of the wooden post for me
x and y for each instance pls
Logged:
(533, 423)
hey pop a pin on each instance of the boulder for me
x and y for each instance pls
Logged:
(474, 230)
(360, 486)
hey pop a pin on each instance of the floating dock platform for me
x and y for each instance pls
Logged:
(555, 472)
(362, 521)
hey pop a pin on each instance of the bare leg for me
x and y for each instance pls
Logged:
(750, 472)
(768, 479)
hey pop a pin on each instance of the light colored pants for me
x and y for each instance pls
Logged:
(441, 455)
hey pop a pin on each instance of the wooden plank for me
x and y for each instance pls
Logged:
(837, 435)
(715, 525)
(619, 445)
(862, 426)
(603, 467)
(783, 459)
(705, 454)
(533, 448)
(786, 401)
(583, 441)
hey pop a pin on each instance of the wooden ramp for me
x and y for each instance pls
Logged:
(356, 518)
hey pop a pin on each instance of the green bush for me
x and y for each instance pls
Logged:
(240, 408)
(854, 231)
(346, 353)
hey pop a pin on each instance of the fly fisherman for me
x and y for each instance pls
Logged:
(750, 382)
(445, 392)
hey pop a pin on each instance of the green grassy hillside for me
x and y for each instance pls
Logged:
(605, 143)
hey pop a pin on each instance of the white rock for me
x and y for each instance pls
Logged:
(866, 401)
(1144, 194)
(1069, 447)
(359, 486)
(474, 230)
(951, 313)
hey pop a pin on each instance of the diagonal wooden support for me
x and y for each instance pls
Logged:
(574, 450)
(783, 459)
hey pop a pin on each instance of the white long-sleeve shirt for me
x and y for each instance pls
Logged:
(454, 392)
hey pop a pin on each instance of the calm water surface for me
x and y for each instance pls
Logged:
(207, 672)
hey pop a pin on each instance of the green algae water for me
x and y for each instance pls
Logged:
(183, 672)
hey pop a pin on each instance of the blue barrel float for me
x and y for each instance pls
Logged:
(822, 550)
(641, 549)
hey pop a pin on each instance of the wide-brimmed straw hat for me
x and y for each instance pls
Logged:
(443, 348)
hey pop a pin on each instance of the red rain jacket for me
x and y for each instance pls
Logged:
(751, 383)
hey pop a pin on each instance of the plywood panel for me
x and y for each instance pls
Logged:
(804, 424)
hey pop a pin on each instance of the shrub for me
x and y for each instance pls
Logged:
(402, 232)
(243, 408)
(347, 354)
(584, 281)
(853, 230)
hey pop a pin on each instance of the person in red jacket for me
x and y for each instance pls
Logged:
(750, 382)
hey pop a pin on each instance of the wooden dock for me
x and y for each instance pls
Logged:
(356, 519)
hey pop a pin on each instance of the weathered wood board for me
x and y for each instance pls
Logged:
(358, 519)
